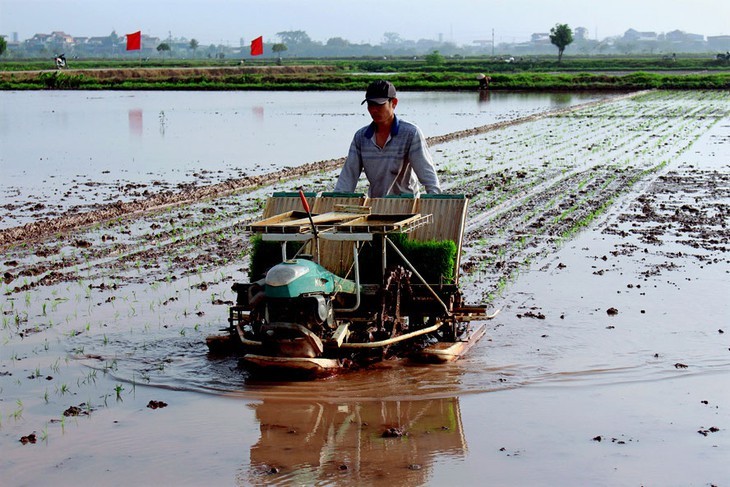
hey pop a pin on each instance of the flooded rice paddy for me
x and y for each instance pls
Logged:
(71, 151)
(601, 232)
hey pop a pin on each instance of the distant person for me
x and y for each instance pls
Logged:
(392, 152)
(60, 61)
(483, 81)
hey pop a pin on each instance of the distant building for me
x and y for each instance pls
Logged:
(718, 43)
(636, 36)
(581, 34)
(540, 38)
(62, 38)
(39, 39)
(680, 36)
(150, 42)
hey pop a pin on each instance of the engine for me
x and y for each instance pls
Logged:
(298, 312)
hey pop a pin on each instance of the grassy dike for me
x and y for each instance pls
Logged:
(532, 74)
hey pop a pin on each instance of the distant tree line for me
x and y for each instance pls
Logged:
(297, 43)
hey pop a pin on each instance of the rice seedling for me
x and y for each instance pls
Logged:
(18, 412)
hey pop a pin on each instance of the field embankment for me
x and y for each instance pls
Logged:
(354, 76)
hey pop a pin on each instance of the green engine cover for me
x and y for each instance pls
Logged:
(294, 278)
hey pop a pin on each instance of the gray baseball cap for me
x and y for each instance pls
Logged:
(379, 92)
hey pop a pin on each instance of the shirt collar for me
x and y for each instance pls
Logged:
(393, 128)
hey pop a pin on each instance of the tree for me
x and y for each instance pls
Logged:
(337, 42)
(3, 45)
(194, 45)
(435, 58)
(279, 48)
(392, 39)
(163, 47)
(560, 36)
(113, 39)
(294, 38)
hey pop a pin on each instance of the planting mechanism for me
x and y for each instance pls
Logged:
(351, 282)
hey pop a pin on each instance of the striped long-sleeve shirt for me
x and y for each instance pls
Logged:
(396, 168)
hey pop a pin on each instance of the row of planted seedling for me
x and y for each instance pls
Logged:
(689, 127)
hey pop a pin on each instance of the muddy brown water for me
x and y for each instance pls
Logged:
(602, 235)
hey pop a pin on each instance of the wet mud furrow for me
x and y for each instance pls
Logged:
(513, 239)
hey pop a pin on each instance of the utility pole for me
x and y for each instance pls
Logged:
(492, 41)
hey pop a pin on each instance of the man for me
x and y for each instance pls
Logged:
(392, 152)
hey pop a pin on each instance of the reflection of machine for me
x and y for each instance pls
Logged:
(358, 443)
(367, 292)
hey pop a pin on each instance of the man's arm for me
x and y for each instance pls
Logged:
(422, 163)
(351, 170)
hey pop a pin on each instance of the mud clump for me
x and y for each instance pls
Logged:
(31, 438)
(72, 411)
(705, 432)
(81, 410)
(532, 314)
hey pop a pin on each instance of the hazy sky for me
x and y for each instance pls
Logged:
(461, 21)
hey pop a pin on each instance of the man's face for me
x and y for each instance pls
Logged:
(382, 113)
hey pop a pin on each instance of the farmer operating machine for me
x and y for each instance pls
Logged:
(351, 282)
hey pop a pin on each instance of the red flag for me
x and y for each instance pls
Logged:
(257, 46)
(134, 41)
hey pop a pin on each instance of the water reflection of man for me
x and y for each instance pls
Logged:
(392, 152)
